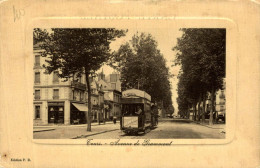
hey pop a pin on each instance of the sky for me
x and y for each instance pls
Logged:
(167, 39)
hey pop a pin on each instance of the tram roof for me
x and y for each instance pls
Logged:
(135, 93)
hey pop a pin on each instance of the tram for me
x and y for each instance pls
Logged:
(137, 115)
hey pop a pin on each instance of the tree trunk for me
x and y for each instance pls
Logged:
(89, 102)
(199, 109)
(194, 111)
(98, 117)
(214, 111)
(204, 106)
(212, 106)
(104, 116)
(188, 113)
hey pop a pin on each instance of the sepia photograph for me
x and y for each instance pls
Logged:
(114, 83)
(129, 84)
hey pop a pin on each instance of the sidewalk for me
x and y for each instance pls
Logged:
(73, 131)
(221, 126)
(62, 125)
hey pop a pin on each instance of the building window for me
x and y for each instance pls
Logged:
(55, 93)
(221, 108)
(93, 91)
(37, 77)
(37, 112)
(37, 60)
(81, 95)
(55, 77)
(113, 85)
(113, 77)
(37, 95)
(74, 95)
(79, 79)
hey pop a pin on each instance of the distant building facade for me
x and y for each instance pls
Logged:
(221, 102)
(111, 86)
(219, 106)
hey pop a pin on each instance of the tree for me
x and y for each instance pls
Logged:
(142, 66)
(39, 35)
(201, 53)
(80, 51)
(182, 99)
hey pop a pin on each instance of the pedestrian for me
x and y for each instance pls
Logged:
(114, 119)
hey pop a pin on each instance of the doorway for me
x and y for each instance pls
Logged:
(56, 114)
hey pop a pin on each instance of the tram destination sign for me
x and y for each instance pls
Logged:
(130, 122)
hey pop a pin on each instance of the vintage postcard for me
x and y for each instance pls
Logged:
(84, 83)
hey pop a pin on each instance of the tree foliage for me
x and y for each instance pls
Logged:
(81, 51)
(201, 54)
(142, 66)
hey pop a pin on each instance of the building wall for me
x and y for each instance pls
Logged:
(67, 112)
(116, 104)
(94, 100)
(113, 81)
(46, 85)
(43, 113)
(69, 91)
(221, 101)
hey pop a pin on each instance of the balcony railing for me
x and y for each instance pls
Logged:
(222, 96)
(55, 81)
(55, 97)
(37, 65)
(222, 103)
(78, 85)
(37, 97)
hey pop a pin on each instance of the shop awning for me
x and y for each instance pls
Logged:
(81, 107)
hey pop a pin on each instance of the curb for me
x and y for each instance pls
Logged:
(206, 125)
(44, 130)
(60, 126)
(85, 136)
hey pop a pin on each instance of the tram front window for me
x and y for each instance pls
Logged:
(132, 109)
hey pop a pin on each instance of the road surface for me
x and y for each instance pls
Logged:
(172, 129)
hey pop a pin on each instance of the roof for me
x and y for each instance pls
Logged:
(135, 93)
(104, 85)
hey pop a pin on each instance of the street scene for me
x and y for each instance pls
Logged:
(110, 83)
(168, 129)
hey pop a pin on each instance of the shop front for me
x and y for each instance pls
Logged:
(56, 112)
(78, 113)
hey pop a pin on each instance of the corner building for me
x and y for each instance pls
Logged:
(57, 101)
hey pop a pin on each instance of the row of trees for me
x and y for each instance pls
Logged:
(142, 66)
(202, 56)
